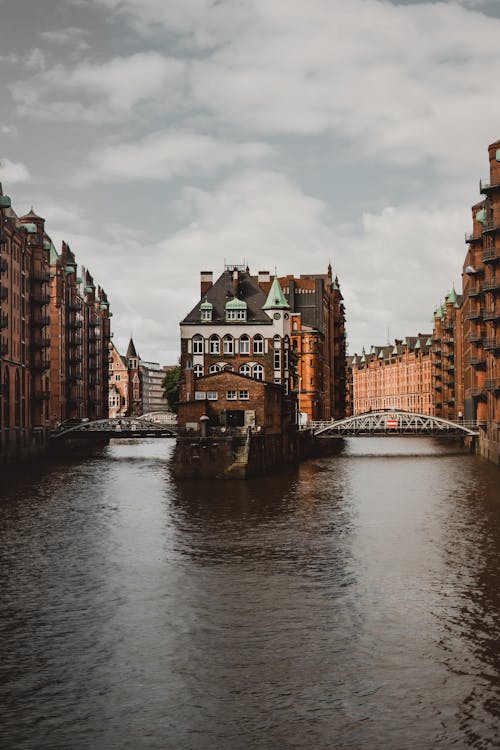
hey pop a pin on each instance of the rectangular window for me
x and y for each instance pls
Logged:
(200, 395)
(243, 395)
(277, 360)
(212, 395)
(206, 315)
(231, 395)
(117, 378)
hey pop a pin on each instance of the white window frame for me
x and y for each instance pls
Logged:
(213, 369)
(244, 344)
(214, 344)
(244, 395)
(198, 371)
(245, 370)
(197, 344)
(200, 395)
(231, 395)
(212, 396)
(228, 344)
(258, 344)
(258, 372)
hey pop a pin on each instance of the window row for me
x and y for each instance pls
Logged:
(232, 395)
(252, 370)
(226, 345)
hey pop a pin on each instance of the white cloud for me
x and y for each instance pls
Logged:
(9, 130)
(35, 59)
(67, 35)
(110, 89)
(11, 172)
(166, 154)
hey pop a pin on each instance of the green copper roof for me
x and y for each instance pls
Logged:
(46, 244)
(205, 305)
(497, 157)
(452, 297)
(481, 216)
(363, 358)
(335, 286)
(30, 228)
(5, 201)
(54, 255)
(69, 270)
(428, 342)
(417, 344)
(395, 350)
(276, 299)
(235, 304)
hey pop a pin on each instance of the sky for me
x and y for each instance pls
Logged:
(160, 138)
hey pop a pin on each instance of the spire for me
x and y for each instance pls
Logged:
(329, 270)
(452, 297)
(131, 352)
(276, 299)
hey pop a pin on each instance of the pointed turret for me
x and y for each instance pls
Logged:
(131, 352)
(276, 300)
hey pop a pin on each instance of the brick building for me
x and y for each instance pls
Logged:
(481, 318)
(24, 328)
(236, 327)
(54, 338)
(447, 358)
(396, 376)
(318, 341)
(135, 386)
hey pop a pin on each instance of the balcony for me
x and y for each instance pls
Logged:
(490, 285)
(4, 292)
(42, 343)
(43, 395)
(490, 254)
(486, 185)
(41, 298)
(491, 343)
(492, 384)
(474, 291)
(437, 350)
(473, 315)
(41, 276)
(469, 237)
(75, 359)
(476, 390)
(4, 320)
(74, 376)
(476, 361)
(491, 225)
(74, 341)
(75, 305)
(490, 313)
(41, 322)
(75, 324)
(42, 365)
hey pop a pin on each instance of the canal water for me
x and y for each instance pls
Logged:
(353, 603)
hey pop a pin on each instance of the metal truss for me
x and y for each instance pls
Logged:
(129, 427)
(395, 422)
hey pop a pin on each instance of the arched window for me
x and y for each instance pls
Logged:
(244, 344)
(245, 370)
(214, 368)
(228, 344)
(214, 347)
(258, 344)
(198, 344)
(198, 371)
(258, 372)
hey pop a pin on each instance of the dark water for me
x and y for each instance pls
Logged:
(352, 604)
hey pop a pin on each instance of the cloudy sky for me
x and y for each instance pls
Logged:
(164, 137)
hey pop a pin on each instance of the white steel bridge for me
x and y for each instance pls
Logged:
(393, 423)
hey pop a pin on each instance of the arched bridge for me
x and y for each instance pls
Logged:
(393, 423)
(120, 427)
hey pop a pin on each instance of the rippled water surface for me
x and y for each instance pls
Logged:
(353, 604)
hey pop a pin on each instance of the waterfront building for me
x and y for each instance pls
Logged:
(135, 386)
(239, 327)
(447, 358)
(24, 329)
(318, 344)
(79, 339)
(481, 327)
(395, 376)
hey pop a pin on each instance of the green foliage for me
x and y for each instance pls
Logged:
(171, 387)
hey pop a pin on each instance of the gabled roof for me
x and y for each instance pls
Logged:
(223, 290)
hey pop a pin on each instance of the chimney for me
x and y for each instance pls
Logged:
(206, 282)
(236, 278)
(263, 277)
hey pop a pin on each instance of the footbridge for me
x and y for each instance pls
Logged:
(393, 423)
(120, 427)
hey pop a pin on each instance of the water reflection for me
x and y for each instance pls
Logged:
(353, 603)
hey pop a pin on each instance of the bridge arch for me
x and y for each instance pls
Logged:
(135, 427)
(393, 422)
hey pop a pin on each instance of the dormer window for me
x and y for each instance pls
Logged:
(206, 309)
(236, 309)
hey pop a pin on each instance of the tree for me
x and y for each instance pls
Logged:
(171, 387)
